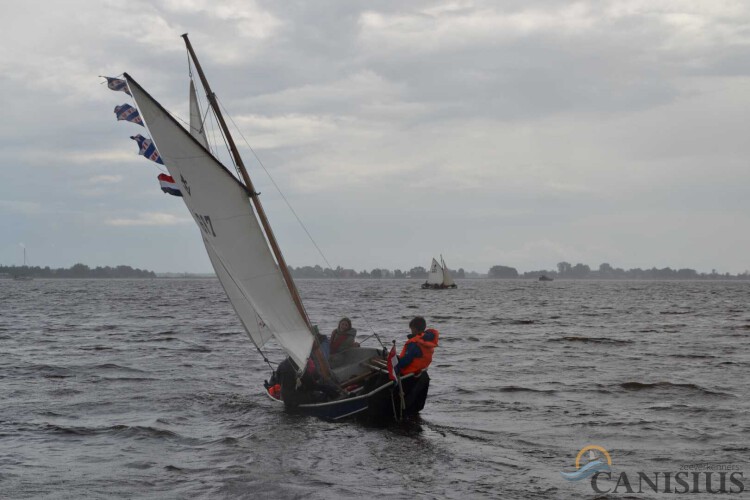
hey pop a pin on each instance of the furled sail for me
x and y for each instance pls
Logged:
(447, 278)
(435, 276)
(239, 251)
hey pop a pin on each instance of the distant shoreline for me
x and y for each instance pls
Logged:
(357, 278)
(566, 271)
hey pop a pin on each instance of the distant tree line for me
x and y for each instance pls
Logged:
(418, 272)
(76, 271)
(565, 270)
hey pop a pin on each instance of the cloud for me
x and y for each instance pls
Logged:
(105, 179)
(22, 207)
(149, 219)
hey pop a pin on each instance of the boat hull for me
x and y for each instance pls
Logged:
(380, 404)
(427, 286)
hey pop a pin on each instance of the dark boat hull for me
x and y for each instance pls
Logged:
(380, 402)
(427, 286)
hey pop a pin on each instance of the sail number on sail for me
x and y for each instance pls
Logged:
(185, 184)
(204, 221)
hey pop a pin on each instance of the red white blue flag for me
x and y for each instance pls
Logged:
(129, 113)
(118, 85)
(168, 185)
(392, 364)
(147, 148)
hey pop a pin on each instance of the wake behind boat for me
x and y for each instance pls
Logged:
(251, 268)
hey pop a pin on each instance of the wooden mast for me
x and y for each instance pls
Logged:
(321, 361)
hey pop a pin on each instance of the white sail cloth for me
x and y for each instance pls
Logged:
(447, 278)
(252, 322)
(236, 245)
(435, 276)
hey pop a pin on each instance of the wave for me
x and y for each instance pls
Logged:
(592, 340)
(508, 321)
(692, 356)
(515, 388)
(112, 366)
(135, 431)
(642, 386)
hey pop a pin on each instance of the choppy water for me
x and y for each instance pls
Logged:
(149, 389)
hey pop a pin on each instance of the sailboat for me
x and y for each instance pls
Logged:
(439, 276)
(251, 268)
(23, 277)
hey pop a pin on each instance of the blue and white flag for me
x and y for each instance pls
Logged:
(147, 148)
(117, 84)
(129, 113)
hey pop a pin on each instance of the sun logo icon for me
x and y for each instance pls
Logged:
(597, 460)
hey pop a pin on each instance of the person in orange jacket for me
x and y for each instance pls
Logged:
(416, 354)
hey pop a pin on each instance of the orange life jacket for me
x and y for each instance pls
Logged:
(275, 391)
(427, 347)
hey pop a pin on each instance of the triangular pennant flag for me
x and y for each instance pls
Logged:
(117, 84)
(129, 113)
(147, 148)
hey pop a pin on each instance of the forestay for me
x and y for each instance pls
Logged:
(435, 277)
(236, 244)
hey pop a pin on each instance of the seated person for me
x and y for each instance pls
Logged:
(342, 338)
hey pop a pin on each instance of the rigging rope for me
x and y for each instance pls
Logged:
(276, 186)
(286, 201)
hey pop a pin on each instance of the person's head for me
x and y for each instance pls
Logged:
(344, 324)
(418, 324)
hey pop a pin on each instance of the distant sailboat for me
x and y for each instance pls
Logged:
(23, 277)
(439, 276)
(250, 266)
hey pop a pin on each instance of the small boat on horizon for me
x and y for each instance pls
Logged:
(439, 277)
(23, 277)
(544, 277)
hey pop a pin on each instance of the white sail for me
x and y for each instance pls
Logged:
(254, 325)
(447, 278)
(252, 322)
(196, 121)
(220, 206)
(435, 276)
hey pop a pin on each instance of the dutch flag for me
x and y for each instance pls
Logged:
(392, 364)
(168, 185)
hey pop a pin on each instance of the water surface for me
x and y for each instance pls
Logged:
(150, 389)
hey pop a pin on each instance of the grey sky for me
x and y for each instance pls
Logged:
(517, 133)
